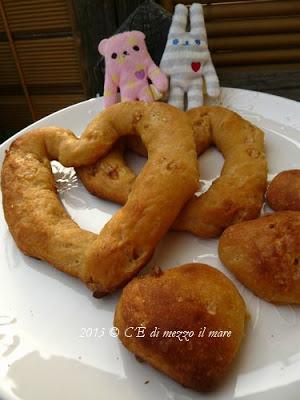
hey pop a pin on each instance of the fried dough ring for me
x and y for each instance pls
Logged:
(237, 195)
(42, 228)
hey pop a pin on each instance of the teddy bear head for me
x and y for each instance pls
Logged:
(124, 49)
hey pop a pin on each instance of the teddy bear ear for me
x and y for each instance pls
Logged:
(140, 35)
(101, 46)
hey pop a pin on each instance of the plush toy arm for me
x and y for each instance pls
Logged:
(110, 91)
(158, 78)
(164, 61)
(211, 79)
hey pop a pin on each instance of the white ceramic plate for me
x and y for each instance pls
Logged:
(51, 343)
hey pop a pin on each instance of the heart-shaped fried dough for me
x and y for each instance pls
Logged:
(264, 254)
(42, 228)
(193, 298)
(237, 195)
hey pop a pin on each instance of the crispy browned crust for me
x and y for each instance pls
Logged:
(186, 298)
(284, 191)
(236, 196)
(42, 228)
(264, 255)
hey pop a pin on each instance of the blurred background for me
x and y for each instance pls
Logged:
(49, 58)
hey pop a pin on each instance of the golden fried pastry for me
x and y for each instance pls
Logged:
(193, 319)
(237, 195)
(264, 255)
(284, 191)
(104, 177)
(42, 228)
(111, 179)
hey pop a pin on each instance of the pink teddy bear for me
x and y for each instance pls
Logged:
(128, 66)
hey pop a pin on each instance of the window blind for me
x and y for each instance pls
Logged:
(42, 37)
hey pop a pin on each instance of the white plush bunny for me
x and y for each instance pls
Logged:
(186, 59)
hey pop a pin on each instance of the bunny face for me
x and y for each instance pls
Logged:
(124, 50)
(184, 53)
(189, 46)
(186, 41)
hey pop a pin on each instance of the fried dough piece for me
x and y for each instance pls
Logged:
(189, 298)
(42, 228)
(111, 179)
(237, 195)
(284, 191)
(264, 255)
(110, 171)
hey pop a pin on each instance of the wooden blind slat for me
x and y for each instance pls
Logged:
(170, 4)
(29, 25)
(253, 9)
(63, 42)
(254, 42)
(18, 6)
(257, 57)
(11, 3)
(51, 11)
(253, 26)
(288, 68)
(50, 77)
(211, 2)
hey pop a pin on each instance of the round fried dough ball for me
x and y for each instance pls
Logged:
(199, 316)
(284, 191)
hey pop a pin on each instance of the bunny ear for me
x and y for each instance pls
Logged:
(197, 21)
(179, 20)
(101, 46)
